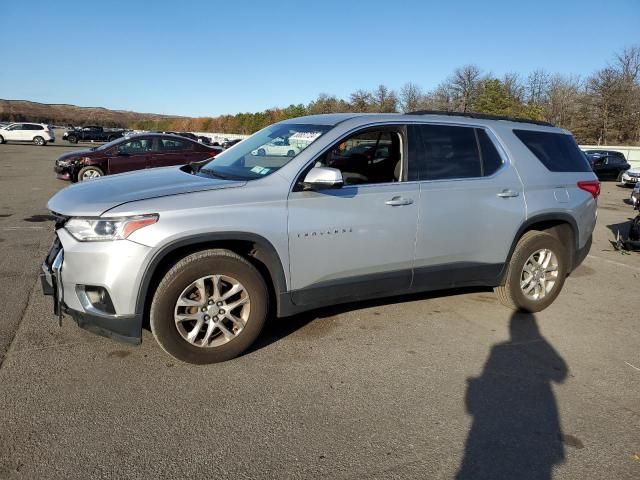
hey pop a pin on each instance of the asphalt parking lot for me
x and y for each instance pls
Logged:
(427, 386)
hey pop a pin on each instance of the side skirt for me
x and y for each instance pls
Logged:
(369, 287)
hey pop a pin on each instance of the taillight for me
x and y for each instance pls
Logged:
(591, 186)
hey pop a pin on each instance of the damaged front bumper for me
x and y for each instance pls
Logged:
(127, 328)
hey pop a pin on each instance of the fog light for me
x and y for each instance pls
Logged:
(97, 298)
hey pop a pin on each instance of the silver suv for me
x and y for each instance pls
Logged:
(359, 206)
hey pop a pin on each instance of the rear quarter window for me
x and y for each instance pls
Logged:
(556, 151)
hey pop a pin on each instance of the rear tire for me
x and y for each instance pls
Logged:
(520, 275)
(1, 139)
(166, 316)
(39, 141)
(89, 173)
(72, 139)
(291, 153)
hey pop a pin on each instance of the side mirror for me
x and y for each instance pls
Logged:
(320, 178)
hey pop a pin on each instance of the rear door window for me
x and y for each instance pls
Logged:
(439, 152)
(173, 145)
(556, 151)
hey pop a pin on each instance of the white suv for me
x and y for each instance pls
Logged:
(38, 133)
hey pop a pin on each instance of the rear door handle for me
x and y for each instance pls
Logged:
(399, 201)
(508, 194)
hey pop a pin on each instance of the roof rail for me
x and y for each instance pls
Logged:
(481, 116)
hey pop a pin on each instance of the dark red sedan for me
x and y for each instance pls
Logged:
(133, 153)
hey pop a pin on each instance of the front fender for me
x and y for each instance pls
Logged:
(268, 255)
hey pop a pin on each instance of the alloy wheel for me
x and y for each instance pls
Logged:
(212, 311)
(89, 174)
(539, 274)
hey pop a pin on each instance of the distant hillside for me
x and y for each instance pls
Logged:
(61, 114)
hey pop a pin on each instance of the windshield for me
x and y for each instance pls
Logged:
(264, 152)
(108, 145)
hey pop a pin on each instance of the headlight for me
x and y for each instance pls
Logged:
(101, 229)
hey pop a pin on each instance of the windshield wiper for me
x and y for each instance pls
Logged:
(211, 173)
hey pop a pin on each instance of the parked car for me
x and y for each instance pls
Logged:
(608, 164)
(230, 143)
(204, 252)
(93, 133)
(188, 135)
(631, 177)
(37, 133)
(635, 195)
(132, 153)
(277, 147)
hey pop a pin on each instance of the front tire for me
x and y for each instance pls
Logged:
(89, 173)
(72, 139)
(291, 153)
(1, 139)
(209, 307)
(39, 141)
(261, 152)
(536, 273)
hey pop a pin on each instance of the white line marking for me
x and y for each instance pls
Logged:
(22, 228)
(613, 262)
(46, 347)
(632, 366)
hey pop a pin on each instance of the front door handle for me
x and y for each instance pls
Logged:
(399, 201)
(508, 194)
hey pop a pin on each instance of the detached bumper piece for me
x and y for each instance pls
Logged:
(632, 243)
(124, 328)
(51, 280)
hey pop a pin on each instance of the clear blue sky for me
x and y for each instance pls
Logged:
(206, 58)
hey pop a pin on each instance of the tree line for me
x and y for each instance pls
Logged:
(601, 108)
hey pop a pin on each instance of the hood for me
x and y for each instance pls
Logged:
(75, 154)
(94, 197)
(634, 171)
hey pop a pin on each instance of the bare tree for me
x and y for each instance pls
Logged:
(604, 89)
(513, 85)
(411, 97)
(628, 63)
(537, 84)
(628, 66)
(385, 100)
(361, 101)
(327, 104)
(440, 98)
(563, 100)
(464, 84)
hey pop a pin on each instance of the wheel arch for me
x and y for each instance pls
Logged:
(255, 248)
(562, 225)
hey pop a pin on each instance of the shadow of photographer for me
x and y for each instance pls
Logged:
(516, 430)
